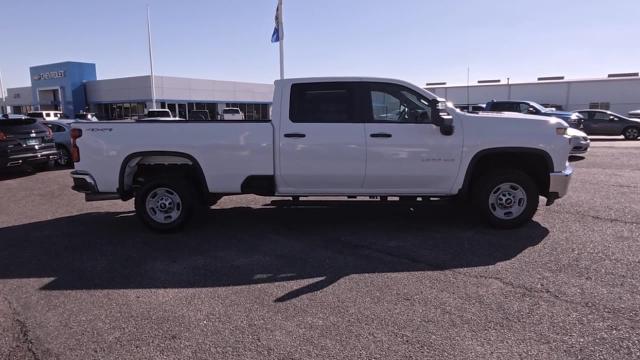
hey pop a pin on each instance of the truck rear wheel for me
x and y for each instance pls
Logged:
(506, 199)
(165, 205)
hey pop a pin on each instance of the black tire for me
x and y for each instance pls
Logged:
(170, 190)
(64, 157)
(631, 133)
(494, 186)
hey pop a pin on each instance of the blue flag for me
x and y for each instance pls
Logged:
(275, 37)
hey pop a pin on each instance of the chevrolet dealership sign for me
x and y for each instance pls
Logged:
(49, 75)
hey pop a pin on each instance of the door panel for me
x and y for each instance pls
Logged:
(329, 156)
(416, 159)
(599, 123)
(321, 141)
(406, 154)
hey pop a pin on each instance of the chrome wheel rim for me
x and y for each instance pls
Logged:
(63, 158)
(507, 201)
(163, 205)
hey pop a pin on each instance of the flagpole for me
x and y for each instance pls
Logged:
(281, 37)
(468, 84)
(2, 98)
(153, 81)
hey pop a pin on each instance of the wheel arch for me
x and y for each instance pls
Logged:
(131, 162)
(536, 162)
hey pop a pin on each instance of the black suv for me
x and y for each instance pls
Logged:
(26, 141)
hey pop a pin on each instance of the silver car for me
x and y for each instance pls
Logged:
(580, 142)
(62, 137)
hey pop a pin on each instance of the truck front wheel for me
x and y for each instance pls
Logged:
(164, 205)
(506, 199)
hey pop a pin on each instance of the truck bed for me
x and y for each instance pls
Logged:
(227, 152)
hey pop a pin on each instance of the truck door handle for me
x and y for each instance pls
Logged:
(381, 135)
(295, 135)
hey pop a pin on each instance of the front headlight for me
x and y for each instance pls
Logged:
(561, 131)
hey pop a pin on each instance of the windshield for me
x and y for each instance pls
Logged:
(539, 107)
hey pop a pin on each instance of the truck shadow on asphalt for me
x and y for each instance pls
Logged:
(244, 246)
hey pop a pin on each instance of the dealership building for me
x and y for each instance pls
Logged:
(73, 87)
(619, 93)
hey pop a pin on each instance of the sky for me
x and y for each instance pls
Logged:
(415, 40)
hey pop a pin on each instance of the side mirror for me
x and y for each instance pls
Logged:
(423, 117)
(445, 123)
(447, 127)
(612, 118)
(532, 111)
(436, 117)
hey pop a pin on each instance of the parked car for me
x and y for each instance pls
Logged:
(325, 139)
(634, 114)
(474, 107)
(199, 115)
(580, 142)
(26, 141)
(46, 115)
(86, 116)
(532, 108)
(159, 115)
(603, 122)
(62, 137)
(232, 114)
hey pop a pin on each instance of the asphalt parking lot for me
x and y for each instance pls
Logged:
(256, 279)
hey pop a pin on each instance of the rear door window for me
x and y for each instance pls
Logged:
(330, 102)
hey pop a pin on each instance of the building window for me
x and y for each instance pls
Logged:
(252, 111)
(600, 106)
(119, 111)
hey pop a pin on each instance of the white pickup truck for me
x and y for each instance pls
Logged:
(329, 137)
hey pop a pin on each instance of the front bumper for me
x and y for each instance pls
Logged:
(559, 184)
(579, 145)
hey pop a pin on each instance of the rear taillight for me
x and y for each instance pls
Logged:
(75, 150)
(2, 136)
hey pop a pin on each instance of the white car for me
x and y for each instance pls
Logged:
(159, 115)
(326, 140)
(46, 115)
(580, 141)
(634, 114)
(232, 114)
